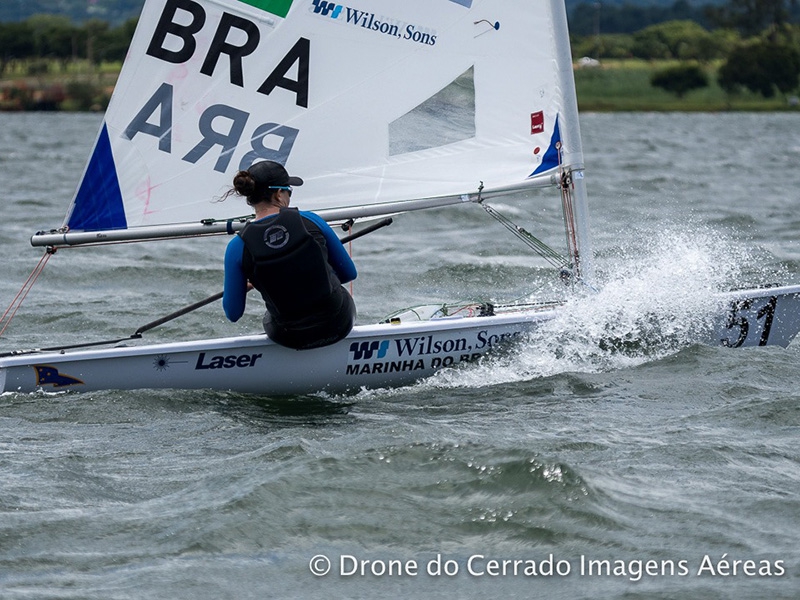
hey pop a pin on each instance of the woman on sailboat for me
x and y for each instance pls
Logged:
(293, 258)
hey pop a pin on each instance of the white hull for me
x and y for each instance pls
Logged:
(372, 356)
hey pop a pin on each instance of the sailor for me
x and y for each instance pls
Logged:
(293, 258)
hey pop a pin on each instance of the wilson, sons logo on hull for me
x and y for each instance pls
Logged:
(422, 353)
(377, 23)
(366, 350)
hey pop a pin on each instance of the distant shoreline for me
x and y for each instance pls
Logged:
(612, 86)
(624, 86)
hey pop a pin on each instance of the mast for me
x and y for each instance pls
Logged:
(577, 221)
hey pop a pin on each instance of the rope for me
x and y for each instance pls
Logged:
(537, 245)
(16, 303)
(568, 207)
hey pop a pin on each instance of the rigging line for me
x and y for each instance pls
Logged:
(568, 208)
(534, 243)
(569, 215)
(240, 219)
(16, 303)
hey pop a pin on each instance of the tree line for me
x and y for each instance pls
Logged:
(115, 12)
(755, 43)
(57, 37)
(591, 17)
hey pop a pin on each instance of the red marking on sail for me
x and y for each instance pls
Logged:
(537, 122)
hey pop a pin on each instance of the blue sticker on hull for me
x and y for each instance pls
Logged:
(47, 375)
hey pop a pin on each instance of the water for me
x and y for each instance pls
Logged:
(565, 456)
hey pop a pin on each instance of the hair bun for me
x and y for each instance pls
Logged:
(244, 184)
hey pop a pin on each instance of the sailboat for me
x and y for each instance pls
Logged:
(346, 95)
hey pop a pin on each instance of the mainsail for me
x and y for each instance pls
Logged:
(348, 96)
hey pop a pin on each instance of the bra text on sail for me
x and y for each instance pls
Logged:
(175, 40)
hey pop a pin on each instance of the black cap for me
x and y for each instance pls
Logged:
(268, 173)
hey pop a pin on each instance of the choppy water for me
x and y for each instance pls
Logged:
(580, 461)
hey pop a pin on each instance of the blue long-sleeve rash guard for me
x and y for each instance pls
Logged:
(235, 285)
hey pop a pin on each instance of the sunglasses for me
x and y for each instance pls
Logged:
(282, 187)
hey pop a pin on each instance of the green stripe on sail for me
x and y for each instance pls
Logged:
(276, 7)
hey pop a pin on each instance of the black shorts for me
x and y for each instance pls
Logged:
(318, 329)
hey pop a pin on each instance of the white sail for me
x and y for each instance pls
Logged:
(343, 94)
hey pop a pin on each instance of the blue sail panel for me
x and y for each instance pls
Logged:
(98, 203)
(550, 158)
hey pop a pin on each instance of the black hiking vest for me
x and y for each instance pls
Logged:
(288, 265)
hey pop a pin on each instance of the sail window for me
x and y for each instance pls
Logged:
(446, 117)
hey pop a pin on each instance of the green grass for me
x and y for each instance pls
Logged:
(616, 85)
(624, 85)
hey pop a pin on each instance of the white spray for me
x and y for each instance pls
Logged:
(650, 303)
